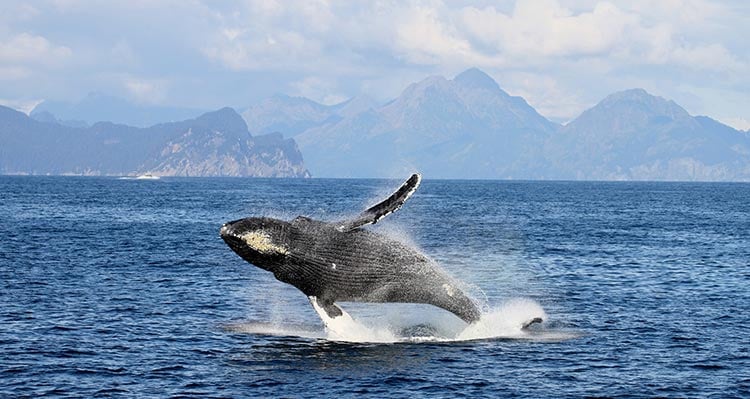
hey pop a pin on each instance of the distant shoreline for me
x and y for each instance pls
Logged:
(442, 179)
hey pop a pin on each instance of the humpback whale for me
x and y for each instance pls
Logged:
(342, 261)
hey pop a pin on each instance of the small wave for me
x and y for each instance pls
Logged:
(283, 330)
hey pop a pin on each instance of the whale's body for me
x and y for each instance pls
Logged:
(343, 262)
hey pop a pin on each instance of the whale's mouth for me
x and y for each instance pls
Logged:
(232, 240)
(236, 244)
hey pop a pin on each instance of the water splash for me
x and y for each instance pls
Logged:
(345, 328)
(506, 321)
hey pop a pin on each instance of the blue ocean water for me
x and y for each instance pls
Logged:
(123, 288)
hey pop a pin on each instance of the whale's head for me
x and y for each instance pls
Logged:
(263, 242)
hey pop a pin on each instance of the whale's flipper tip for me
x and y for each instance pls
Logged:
(531, 322)
(384, 208)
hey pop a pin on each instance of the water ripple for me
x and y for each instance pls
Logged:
(115, 288)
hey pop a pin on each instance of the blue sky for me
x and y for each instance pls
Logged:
(562, 56)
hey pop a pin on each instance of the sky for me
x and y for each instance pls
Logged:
(561, 56)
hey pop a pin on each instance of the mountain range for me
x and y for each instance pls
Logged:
(462, 128)
(213, 144)
(465, 127)
(468, 127)
(632, 135)
(294, 115)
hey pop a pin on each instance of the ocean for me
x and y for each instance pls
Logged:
(123, 288)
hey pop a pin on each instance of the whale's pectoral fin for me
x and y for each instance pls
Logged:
(389, 205)
(331, 309)
(337, 322)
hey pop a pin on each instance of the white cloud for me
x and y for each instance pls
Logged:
(268, 34)
(313, 15)
(318, 89)
(561, 42)
(318, 15)
(25, 48)
(232, 33)
(278, 50)
(14, 12)
(123, 54)
(544, 28)
(13, 73)
(709, 57)
(423, 38)
(682, 13)
(146, 91)
(541, 33)
(546, 95)
(554, 52)
(265, 8)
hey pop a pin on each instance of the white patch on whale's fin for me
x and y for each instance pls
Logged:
(335, 319)
(331, 310)
(384, 208)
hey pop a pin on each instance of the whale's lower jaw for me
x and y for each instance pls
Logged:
(237, 245)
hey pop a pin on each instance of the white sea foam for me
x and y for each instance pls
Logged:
(506, 321)
(502, 322)
(345, 328)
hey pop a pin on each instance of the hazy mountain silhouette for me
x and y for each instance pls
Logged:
(468, 127)
(46, 116)
(286, 114)
(635, 135)
(96, 107)
(465, 128)
(214, 144)
(293, 115)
